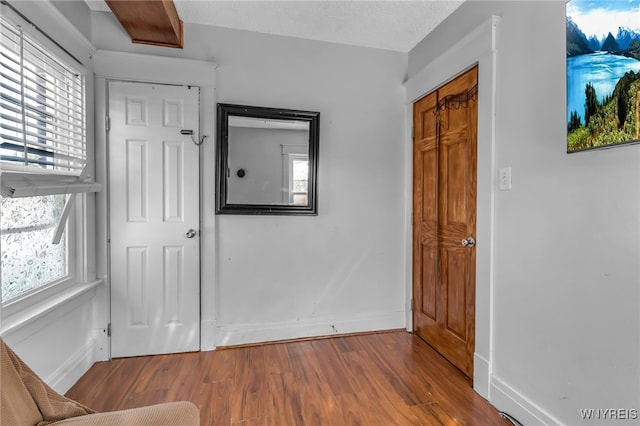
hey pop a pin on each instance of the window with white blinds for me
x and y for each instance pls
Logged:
(42, 115)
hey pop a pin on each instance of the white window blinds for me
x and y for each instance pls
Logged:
(42, 118)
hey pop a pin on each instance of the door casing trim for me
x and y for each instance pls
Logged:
(476, 48)
(126, 66)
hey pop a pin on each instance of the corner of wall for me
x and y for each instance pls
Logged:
(510, 401)
(481, 375)
(70, 371)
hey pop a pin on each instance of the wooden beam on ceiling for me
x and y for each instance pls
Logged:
(153, 22)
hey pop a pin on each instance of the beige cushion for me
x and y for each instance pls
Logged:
(168, 414)
(27, 400)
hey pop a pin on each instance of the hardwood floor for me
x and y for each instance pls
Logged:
(391, 378)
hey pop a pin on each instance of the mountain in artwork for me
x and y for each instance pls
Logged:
(622, 43)
(577, 43)
(610, 44)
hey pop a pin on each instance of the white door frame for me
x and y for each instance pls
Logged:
(478, 47)
(113, 65)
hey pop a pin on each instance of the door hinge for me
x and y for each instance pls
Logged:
(412, 134)
(413, 304)
(109, 330)
(107, 123)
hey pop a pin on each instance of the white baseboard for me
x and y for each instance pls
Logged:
(507, 399)
(207, 335)
(102, 344)
(68, 373)
(239, 334)
(481, 375)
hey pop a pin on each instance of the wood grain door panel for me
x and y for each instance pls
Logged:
(444, 158)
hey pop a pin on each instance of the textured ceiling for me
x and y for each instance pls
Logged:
(392, 25)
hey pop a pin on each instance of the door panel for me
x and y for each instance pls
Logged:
(429, 282)
(172, 172)
(445, 145)
(154, 200)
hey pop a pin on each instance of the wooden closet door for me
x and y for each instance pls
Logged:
(444, 221)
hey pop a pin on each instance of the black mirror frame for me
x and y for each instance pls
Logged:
(224, 111)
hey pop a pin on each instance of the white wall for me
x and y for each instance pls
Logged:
(59, 345)
(343, 270)
(78, 14)
(566, 269)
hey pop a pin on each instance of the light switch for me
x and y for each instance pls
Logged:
(504, 178)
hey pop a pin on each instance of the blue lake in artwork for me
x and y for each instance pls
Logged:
(602, 69)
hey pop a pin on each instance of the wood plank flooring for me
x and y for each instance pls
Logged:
(391, 378)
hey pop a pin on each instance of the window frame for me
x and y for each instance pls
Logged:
(46, 291)
(289, 154)
(290, 176)
(24, 307)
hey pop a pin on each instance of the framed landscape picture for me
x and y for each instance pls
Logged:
(603, 73)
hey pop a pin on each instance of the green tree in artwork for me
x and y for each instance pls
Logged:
(623, 106)
(623, 95)
(591, 104)
(610, 120)
(574, 121)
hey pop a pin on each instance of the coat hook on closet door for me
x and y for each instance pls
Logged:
(187, 132)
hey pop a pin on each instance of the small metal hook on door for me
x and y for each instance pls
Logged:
(187, 132)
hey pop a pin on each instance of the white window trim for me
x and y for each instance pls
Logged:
(16, 184)
(60, 296)
(292, 158)
(289, 153)
(18, 315)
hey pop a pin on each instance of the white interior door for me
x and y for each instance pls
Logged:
(154, 219)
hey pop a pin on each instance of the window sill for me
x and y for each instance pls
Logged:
(31, 182)
(64, 301)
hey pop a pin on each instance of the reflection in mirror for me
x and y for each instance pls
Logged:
(267, 160)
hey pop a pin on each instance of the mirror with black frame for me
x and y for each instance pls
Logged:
(266, 160)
